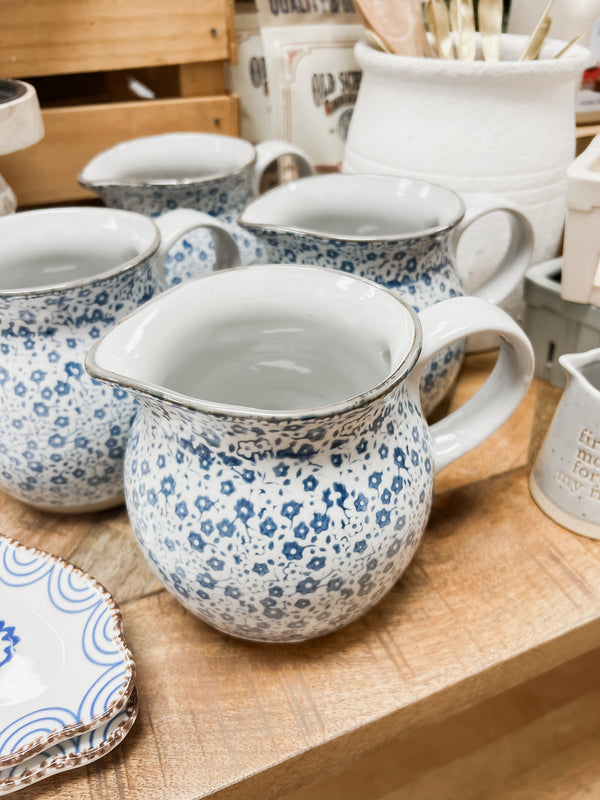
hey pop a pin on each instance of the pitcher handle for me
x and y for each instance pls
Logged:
(449, 321)
(511, 269)
(174, 224)
(270, 150)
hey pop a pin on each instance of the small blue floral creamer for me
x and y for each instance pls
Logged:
(273, 503)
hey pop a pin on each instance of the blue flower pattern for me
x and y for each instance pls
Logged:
(294, 553)
(8, 642)
(421, 271)
(63, 435)
(223, 198)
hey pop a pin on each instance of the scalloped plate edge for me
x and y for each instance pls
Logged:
(65, 762)
(69, 731)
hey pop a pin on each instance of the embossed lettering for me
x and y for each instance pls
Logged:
(587, 438)
(582, 471)
(569, 482)
(588, 458)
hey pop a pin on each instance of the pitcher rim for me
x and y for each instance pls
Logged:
(542, 68)
(435, 230)
(225, 410)
(99, 277)
(145, 183)
(574, 363)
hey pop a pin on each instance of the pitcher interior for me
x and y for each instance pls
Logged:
(43, 249)
(271, 339)
(276, 363)
(356, 207)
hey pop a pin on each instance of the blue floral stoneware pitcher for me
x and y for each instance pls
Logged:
(208, 172)
(66, 276)
(398, 232)
(279, 472)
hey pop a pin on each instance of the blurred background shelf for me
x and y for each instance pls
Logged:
(109, 70)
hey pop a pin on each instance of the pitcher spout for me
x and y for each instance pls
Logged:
(583, 368)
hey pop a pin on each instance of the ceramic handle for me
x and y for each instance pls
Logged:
(269, 151)
(174, 224)
(511, 269)
(455, 319)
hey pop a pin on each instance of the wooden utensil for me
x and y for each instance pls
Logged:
(539, 33)
(568, 46)
(537, 41)
(489, 15)
(438, 22)
(398, 23)
(375, 40)
(462, 20)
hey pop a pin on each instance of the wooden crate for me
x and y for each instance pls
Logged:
(84, 56)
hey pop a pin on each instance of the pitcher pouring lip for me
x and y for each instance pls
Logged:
(331, 201)
(575, 364)
(131, 163)
(138, 352)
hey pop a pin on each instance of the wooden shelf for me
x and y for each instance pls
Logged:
(95, 63)
(497, 596)
(57, 37)
(47, 172)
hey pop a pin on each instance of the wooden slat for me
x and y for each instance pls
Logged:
(50, 37)
(47, 172)
(202, 78)
(233, 47)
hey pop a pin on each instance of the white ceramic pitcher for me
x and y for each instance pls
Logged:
(565, 480)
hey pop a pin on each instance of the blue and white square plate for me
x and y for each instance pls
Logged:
(71, 753)
(65, 667)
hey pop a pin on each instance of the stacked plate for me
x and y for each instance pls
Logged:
(67, 676)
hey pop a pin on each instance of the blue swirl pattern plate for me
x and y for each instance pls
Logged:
(65, 667)
(70, 753)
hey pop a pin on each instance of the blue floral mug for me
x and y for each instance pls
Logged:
(279, 472)
(399, 232)
(66, 276)
(208, 172)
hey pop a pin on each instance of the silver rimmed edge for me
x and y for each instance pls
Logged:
(223, 410)
(91, 280)
(435, 230)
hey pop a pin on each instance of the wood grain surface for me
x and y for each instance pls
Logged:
(497, 595)
(538, 741)
(52, 37)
